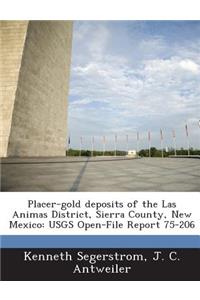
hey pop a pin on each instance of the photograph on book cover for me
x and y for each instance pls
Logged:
(100, 106)
(110, 111)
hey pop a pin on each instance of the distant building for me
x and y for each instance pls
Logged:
(132, 153)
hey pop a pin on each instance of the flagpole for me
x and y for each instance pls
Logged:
(199, 123)
(127, 143)
(187, 136)
(67, 147)
(68, 143)
(115, 145)
(188, 146)
(161, 141)
(174, 138)
(80, 146)
(138, 143)
(104, 145)
(149, 139)
(92, 146)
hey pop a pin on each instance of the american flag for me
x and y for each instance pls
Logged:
(149, 135)
(161, 134)
(186, 130)
(138, 137)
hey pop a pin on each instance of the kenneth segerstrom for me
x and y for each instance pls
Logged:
(92, 259)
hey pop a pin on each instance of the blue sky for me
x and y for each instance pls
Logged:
(130, 76)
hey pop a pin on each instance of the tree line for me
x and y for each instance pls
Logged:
(154, 152)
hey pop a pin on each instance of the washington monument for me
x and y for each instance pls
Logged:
(35, 65)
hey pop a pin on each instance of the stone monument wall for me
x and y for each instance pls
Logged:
(38, 126)
(12, 37)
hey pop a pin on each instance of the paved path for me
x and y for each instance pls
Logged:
(60, 174)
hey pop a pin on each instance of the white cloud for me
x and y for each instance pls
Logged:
(189, 65)
(110, 91)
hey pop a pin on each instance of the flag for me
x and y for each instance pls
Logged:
(138, 137)
(81, 140)
(186, 130)
(104, 139)
(127, 138)
(115, 138)
(174, 133)
(161, 134)
(69, 140)
(149, 135)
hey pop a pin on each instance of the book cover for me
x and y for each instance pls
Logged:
(100, 150)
